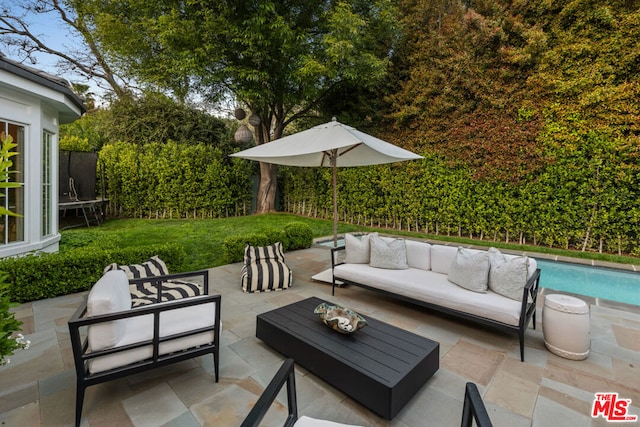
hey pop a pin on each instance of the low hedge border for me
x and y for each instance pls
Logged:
(41, 276)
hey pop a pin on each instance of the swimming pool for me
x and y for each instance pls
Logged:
(598, 282)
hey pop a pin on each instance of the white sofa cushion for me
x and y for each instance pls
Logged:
(434, 288)
(470, 269)
(507, 276)
(357, 249)
(108, 295)
(140, 328)
(418, 255)
(388, 253)
(442, 257)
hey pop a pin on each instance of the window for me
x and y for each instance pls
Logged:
(47, 142)
(12, 227)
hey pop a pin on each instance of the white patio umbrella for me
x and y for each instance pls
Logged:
(332, 144)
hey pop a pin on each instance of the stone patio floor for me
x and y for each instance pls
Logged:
(38, 386)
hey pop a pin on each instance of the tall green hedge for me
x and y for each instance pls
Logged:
(587, 198)
(171, 180)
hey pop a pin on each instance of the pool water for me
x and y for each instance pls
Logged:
(606, 283)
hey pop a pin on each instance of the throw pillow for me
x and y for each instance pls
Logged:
(154, 266)
(147, 292)
(470, 270)
(357, 249)
(108, 295)
(507, 277)
(173, 289)
(390, 255)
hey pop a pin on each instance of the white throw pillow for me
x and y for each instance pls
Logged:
(470, 270)
(391, 255)
(108, 295)
(357, 249)
(507, 276)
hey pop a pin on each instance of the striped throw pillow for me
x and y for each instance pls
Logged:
(147, 292)
(154, 266)
(264, 269)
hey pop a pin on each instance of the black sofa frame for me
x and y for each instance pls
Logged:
(82, 355)
(527, 310)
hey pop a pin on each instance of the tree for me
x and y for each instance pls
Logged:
(150, 118)
(88, 58)
(279, 59)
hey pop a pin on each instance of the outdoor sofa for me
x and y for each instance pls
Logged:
(488, 287)
(111, 339)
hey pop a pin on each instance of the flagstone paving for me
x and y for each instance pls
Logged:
(38, 386)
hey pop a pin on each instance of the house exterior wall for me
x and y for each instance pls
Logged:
(38, 109)
(18, 108)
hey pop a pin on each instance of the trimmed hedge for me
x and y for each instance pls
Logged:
(295, 235)
(299, 235)
(47, 275)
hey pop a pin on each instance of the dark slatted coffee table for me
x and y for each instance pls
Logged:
(380, 366)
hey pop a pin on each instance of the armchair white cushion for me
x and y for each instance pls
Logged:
(140, 328)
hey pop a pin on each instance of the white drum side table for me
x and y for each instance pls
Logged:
(565, 326)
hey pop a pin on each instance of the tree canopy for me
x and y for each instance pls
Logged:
(279, 59)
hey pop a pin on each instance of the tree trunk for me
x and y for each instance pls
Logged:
(266, 200)
(266, 197)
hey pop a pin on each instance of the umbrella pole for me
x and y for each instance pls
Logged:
(334, 166)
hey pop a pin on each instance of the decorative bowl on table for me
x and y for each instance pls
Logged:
(340, 319)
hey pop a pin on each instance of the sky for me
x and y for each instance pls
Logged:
(50, 28)
(55, 34)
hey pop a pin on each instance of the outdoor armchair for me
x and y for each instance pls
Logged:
(111, 340)
(285, 375)
(473, 408)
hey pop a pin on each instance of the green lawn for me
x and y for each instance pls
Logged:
(203, 239)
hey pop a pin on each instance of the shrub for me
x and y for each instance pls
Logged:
(42, 276)
(295, 235)
(299, 235)
(8, 324)
(234, 246)
(274, 235)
